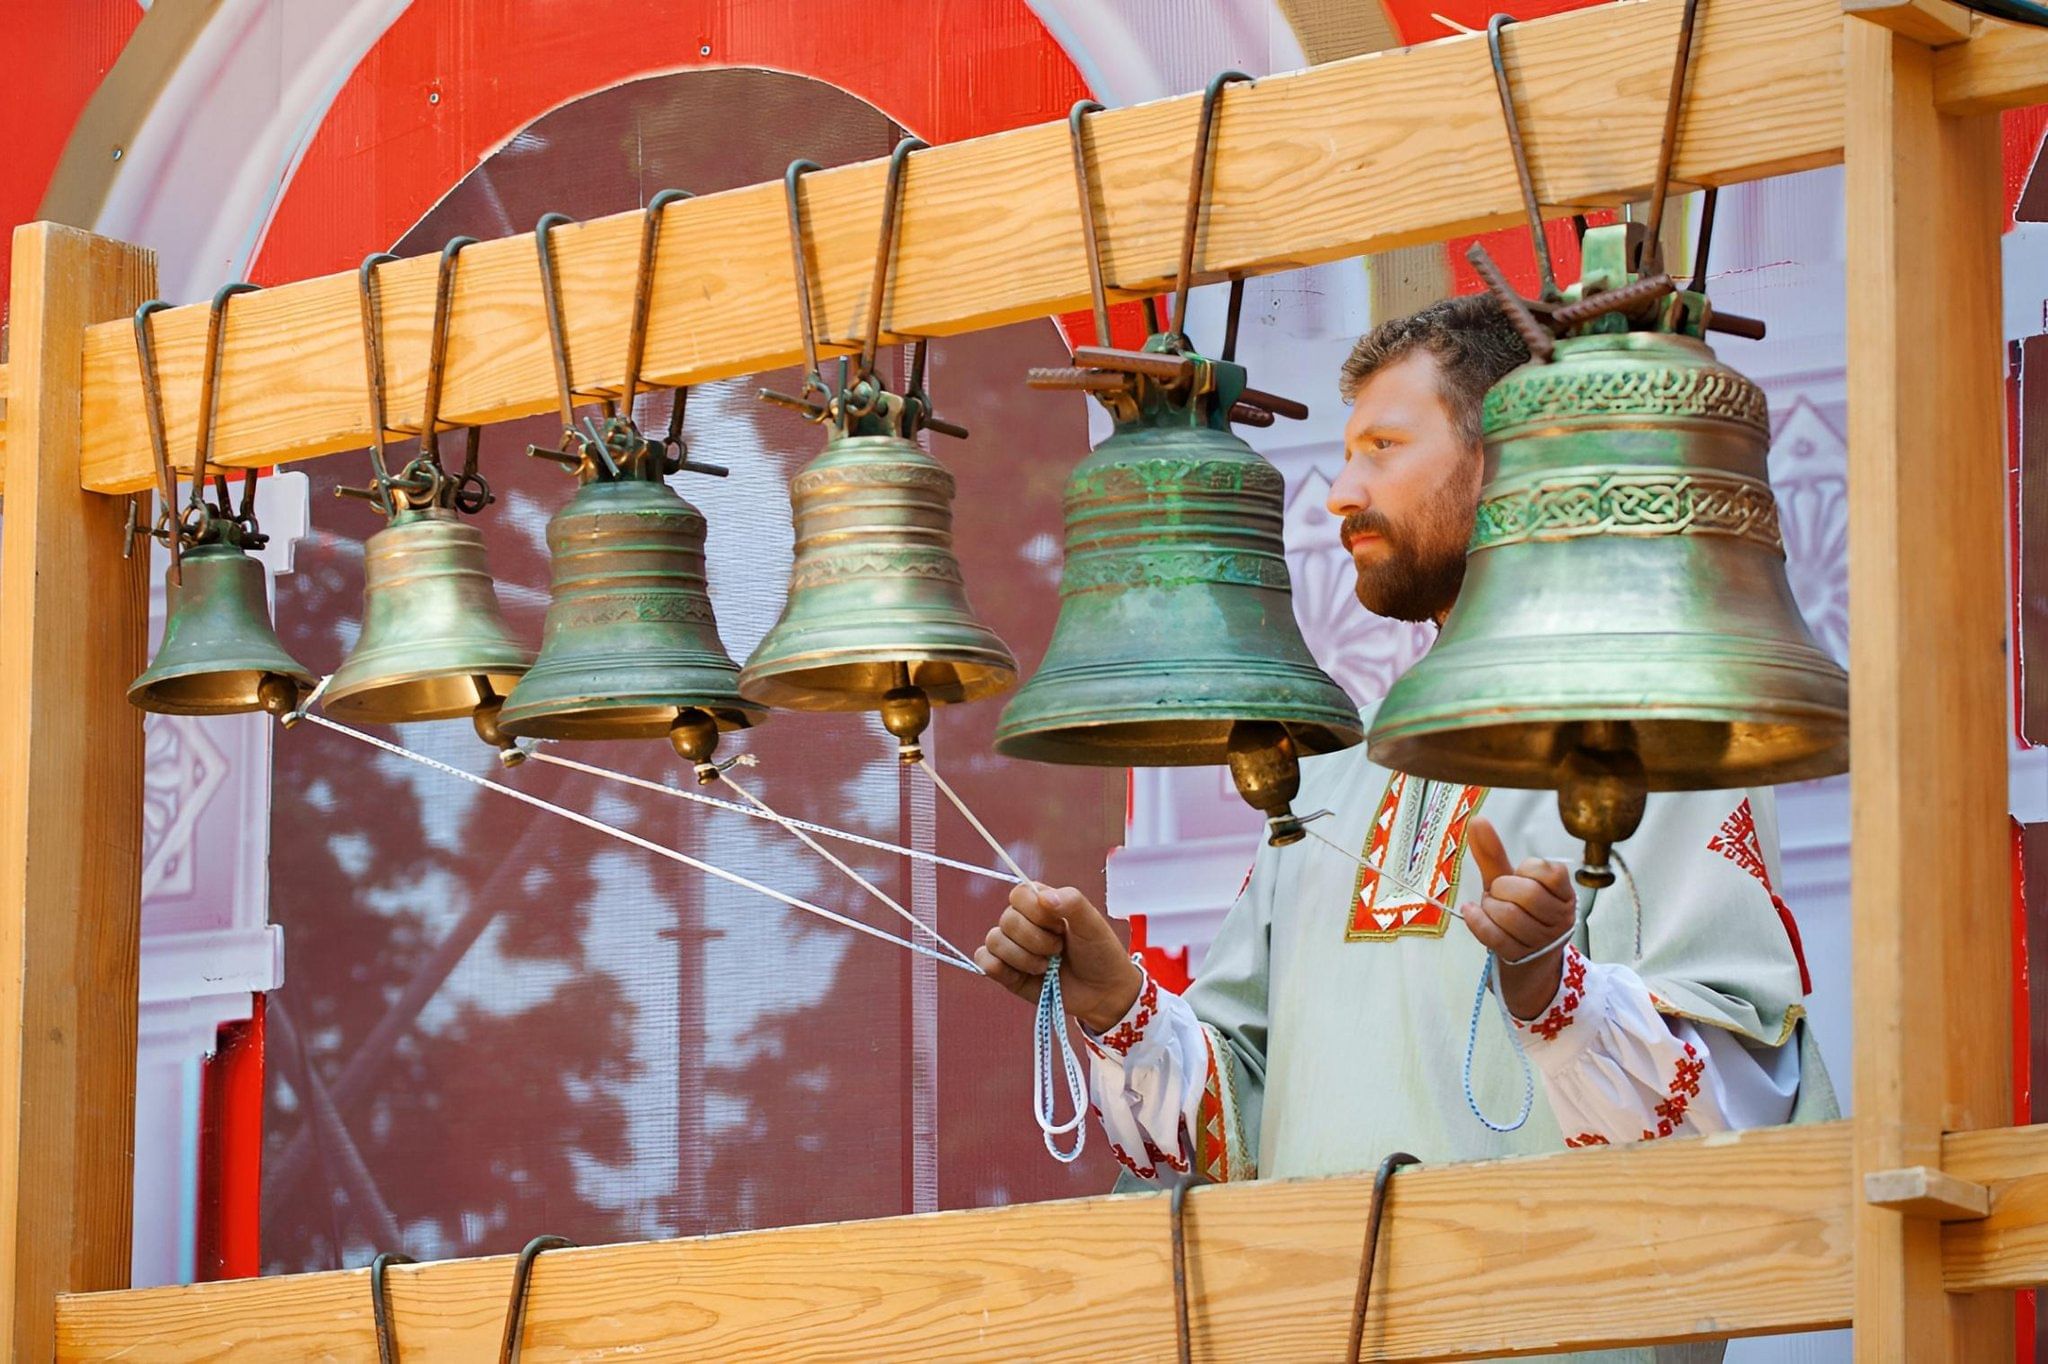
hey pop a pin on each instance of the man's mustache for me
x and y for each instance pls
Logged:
(1361, 523)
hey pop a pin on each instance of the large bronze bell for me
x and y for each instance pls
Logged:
(434, 644)
(630, 648)
(1625, 623)
(1176, 642)
(219, 654)
(876, 600)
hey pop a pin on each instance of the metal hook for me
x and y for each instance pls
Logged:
(1382, 1184)
(209, 384)
(1197, 181)
(1176, 1215)
(522, 1281)
(1530, 204)
(380, 1304)
(371, 312)
(551, 295)
(643, 291)
(892, 194)
(437, 350)
(814, 378)
(159, 443)
(1698, 285)
(1098, 292)
(1653, 249)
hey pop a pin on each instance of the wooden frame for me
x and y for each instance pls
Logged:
(1873, 1220)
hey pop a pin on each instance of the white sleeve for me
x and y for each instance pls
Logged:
(1146, 1075)
(1617, 1070)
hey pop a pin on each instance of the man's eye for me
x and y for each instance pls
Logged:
(1382, 443)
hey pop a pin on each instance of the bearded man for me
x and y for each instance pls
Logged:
(1328, 1026)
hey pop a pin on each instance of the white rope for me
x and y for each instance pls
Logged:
(772, 817)
(1051, 1042)
(862, 881)
(647, 845)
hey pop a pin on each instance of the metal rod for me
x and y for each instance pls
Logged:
(1230, 318)
(1197, 182)
(380, 1304)
(437, 349)
(209, 383)
(1542, 345)
(1625, 299)
(892, 195)
(1530, 205)
(159, 443)
(1699, 258)
(643, 290)
(371, 312)
(1098, 293)
(522, 1284)
(1653, 247)
(1361, 1298)
(551, 295)
(814, 379)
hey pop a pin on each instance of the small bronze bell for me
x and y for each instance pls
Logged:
(630, 649)
(1625, 624)
(434, 644)
(877, 616)
(219, 654)
(876, 599)
(1176, 643)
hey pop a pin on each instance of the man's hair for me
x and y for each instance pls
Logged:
(1472, 340)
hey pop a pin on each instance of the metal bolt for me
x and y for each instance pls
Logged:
(433, 96)
(704, 51)
(117, 153)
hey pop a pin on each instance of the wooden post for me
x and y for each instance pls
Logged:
(1930, 874)
(73, 622)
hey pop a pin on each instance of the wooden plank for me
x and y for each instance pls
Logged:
(2008, 1249)
(1922, 1191)
(1375, 152)
(72, 636)
(1934, 23)
(2004, 66)
(1577, 1249)
(1927, 743)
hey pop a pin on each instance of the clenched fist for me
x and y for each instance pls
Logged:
(1098, 982)
(1526, 906)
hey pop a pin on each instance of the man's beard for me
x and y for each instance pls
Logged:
(1419, 576)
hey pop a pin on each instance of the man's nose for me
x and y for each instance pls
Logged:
(1348, 493)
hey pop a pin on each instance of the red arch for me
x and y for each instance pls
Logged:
(452, 79)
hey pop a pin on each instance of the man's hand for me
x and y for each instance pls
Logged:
(1098, 983)
(1524, 908)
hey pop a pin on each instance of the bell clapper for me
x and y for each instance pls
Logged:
(694, 736)
(906, 712)
(1267, 771)
(1601, 792)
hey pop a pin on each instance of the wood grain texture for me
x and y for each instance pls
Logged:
(1927, 630)
(1577, 1249)
(2008, 1249)
(2003, 66)
(72, 632)
(1934, 23)
(1922, 1191)
(1375, 152)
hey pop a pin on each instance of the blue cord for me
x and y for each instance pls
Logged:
(1052, 1037)
(1472, 1045)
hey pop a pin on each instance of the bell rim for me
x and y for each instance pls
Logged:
(370, 701)
(585, 721)
(774, 684)
(1049, 744)
(142, 692)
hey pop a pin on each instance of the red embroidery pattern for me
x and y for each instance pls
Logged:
(1738, 842)
(1586, 1139)
(1212, 1146)
(1566, 1009)
(1123, 1158)
(1684, 1088)
(1382, 910)
(1128, 1034)
(1177, 1164)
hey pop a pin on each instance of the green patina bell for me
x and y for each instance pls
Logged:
(435, 644)
(630, 646)
(1625, 624)
(877, 609)
(219, 654)
(1176, 643)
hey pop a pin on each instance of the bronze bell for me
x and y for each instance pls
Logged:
(630, 648)
(219, 654)
(1176, 643)
(434, 644)
(1625, 624)
(876, 599)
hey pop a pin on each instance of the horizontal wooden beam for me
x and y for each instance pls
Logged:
(1366, 154)
(1934, 23)
(2008, 1249)
(1665, 1241)
(2004, 66)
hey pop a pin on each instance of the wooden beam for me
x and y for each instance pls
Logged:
(1580, 1249)
(1935, 23)
(1926, 638)
(2008, 1249)
(2004, 66)
(1921, 1191)
(1375, 152)
(72, 635)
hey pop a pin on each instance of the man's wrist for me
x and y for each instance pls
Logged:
(1117, 1001)
(1529, 988)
